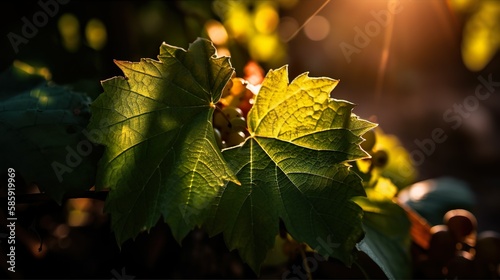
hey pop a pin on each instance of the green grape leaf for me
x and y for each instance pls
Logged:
(294, 167)
(43, 135)
(387, 240)
(161, 157)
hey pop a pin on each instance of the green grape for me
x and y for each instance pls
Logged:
(220, 121)
(239, 85)
(370, 139)
(238, 124)
(235, 138)
(380, 158)
(218, 137)
(232, 112)
(247, 102)
(461, 223)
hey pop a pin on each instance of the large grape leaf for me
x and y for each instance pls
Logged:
(43, 134)
(293, 167)
(161, 157)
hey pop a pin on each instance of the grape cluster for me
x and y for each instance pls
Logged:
(456, 251)
(229, 119)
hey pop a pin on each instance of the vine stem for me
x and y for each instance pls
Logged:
(33, 198)
(304, 262)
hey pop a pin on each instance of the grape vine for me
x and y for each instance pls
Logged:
(271, 165)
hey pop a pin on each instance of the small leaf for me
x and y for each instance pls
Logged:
(387, 240)
(161, 157)
(293, 167)
(384, 190)
(399, 169)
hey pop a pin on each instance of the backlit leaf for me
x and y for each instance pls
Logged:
(293, 167)
(161, 157)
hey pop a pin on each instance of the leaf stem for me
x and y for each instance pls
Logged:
(304, 262)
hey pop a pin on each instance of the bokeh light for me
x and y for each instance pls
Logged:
(266, 18)
(41, 71)
(265, 48)
(481, 36)
(95, 32)
(69, 28)
(238, 21)
(216, 32)
(317, 28)
(287, 27)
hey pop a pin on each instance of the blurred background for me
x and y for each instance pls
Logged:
(412, 66)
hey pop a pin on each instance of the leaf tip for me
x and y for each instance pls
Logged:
(118, 62)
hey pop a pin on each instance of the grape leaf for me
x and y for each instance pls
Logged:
(387, 239)
(294, 167)
(161, 157)
(43, 134)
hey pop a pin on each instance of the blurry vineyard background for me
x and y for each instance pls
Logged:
(436, 51)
